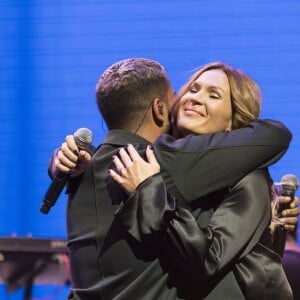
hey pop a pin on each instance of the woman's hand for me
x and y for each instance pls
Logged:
(132, 169)
(290, 215)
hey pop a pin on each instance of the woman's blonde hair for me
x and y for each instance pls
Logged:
(245, 94)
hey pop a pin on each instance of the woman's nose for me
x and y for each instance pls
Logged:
(197, 99)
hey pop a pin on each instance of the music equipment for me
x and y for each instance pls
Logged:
(28, 261)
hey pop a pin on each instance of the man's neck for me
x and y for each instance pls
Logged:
(150, 133)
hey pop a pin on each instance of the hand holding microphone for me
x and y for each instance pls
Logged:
(75, 150)
(287, 188)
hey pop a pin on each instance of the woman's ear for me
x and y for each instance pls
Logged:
(229, 125)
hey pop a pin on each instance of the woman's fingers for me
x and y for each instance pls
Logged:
(152, 159)
(116, 177)
(283, 199)
(292, 212)
(134, 155)
(289, 223)
(118, 163)
(127, 184)
(295, 202)
(126, 159)
(131, 169)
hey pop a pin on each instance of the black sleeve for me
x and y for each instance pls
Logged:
(234, 229)
(51, 168)
(197, 165)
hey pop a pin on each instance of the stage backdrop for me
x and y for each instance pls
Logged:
(52, 53)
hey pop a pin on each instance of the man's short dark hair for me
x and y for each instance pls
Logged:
(126, 90)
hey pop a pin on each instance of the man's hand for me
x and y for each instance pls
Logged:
(69, 159)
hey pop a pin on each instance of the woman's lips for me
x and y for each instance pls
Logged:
(190, 111)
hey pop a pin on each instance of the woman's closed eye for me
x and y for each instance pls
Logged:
(214, 95)
(193, 89)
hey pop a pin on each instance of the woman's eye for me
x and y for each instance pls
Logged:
(193, 90)
(214, 96)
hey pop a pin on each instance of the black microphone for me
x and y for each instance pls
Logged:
(289, 184)
(83, 138)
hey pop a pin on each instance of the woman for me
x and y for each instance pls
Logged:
(229, 230)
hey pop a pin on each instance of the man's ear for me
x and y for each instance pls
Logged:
(159, 111)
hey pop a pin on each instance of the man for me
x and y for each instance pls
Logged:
(134, 97)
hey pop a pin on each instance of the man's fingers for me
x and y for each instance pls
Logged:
(70, 141)
(68, 153)
(62, 159)
(84, 156)
(59, 166)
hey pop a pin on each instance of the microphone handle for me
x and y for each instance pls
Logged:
(283, 206)
(279, 239)
(280, 232)
(59, 181)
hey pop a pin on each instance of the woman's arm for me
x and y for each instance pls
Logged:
(198, 165)
(236, 226)
(219, 160)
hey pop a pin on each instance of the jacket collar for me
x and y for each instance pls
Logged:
(120, 137)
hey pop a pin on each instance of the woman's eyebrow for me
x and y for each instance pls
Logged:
(217, 88)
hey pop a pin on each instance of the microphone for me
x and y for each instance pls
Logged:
(83, 138)
(289, 184)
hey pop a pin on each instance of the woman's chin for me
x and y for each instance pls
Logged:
(198, 127)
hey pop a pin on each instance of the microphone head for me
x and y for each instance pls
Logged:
(83, 138)
(290, 179)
